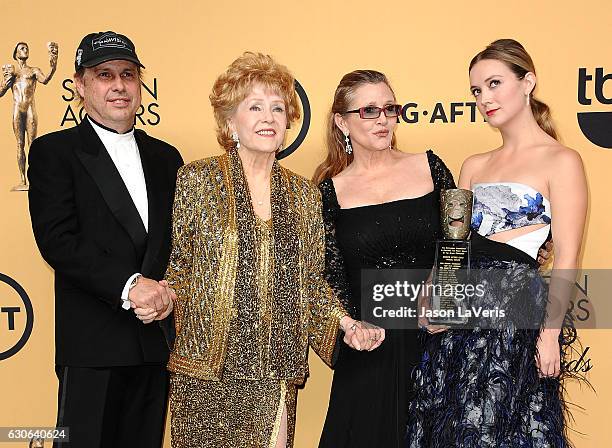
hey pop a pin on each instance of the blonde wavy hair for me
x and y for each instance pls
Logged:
(514, 55)
(235, 84)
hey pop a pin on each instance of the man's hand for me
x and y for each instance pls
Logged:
(172, 296)
(150, 294)
(148, 315)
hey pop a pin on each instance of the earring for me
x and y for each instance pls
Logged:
(527, 99)
(236, 139)
(348, 148)
(280, 148)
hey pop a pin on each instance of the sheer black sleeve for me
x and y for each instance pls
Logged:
(441, 175)
(335, 273)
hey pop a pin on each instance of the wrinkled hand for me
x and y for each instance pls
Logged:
(148, 315)
(361, 335)
(376, 335)
(172, 296)
(151, 294)
(548, 356)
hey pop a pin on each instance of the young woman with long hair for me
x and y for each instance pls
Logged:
(500, 383)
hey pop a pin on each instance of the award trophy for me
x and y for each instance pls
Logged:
(452, 259)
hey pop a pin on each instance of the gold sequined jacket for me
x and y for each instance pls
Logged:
(211, 270)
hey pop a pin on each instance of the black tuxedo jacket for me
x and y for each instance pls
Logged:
(89, 231)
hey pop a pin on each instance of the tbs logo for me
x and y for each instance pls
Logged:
(16, 317)
(596, 126)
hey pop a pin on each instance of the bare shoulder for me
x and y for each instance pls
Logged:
(562, 159)
(475, 161)
(410, 156)
(474, 164)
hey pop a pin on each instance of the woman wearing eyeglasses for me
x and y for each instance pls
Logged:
(380, 210)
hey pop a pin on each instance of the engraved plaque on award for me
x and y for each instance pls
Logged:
(452, 259)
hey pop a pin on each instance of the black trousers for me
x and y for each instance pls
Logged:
(112, 407)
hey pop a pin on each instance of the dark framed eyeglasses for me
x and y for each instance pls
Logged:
(369, 112)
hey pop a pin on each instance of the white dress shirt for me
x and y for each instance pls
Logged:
(123, 150)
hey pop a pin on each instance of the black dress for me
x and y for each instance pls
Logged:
(480, 387)
(371, 390)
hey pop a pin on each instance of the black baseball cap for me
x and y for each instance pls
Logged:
(96, 48)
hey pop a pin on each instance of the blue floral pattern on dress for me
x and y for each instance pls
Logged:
(498, 207)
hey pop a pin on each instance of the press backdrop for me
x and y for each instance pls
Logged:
(423, 47)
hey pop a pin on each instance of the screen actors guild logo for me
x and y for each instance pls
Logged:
(22, 79)
(596, 126)
(146, 115)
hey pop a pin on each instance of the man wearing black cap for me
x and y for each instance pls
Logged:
(100, 201)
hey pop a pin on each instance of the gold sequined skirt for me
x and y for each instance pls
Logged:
(231, 413)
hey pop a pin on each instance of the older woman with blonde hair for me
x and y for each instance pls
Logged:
(246, 264)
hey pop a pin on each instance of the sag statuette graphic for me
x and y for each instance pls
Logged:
(22, 79)
(452, 259)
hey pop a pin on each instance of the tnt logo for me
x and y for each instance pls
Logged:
(16, 317)
(596, 126)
